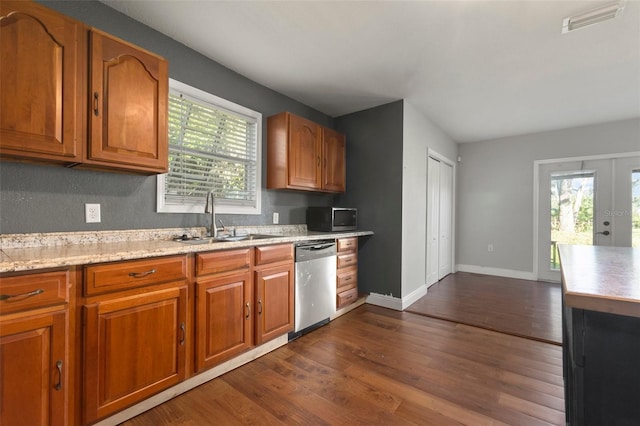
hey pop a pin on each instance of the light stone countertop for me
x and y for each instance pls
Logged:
(599, 278)
(24, 252)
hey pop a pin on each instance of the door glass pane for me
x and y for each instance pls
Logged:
(635, 208)
(571, 211)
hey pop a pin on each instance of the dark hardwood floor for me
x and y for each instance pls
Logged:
(531, 309)
(377, 366)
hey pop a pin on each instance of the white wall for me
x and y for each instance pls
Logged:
(419, 134)
(495, 191)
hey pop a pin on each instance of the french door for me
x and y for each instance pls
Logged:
(586, 202)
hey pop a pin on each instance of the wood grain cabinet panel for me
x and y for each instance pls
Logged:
(134, 347)
(41, 80)
(224, 321)
(34, 370)
(129, 89)
(303, 155)
(274, 302)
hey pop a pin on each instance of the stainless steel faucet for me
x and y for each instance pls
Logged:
(210, 208)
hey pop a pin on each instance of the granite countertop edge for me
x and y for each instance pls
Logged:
(16, 258)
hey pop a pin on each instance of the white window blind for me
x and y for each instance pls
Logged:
(214, 145)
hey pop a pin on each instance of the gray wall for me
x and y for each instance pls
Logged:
(374, 167)
(36, 198)
(495, 188)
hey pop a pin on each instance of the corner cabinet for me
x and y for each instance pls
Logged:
(34, 348)
(128, 116)
(42, 75)
(304, 155)
(135, 332)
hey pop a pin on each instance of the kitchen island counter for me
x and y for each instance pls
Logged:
(603, 279)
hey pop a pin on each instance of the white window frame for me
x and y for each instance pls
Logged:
(221, 206)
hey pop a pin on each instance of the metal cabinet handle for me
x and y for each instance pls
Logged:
(318, 161)
(183, 329)
(58, 385)
(348, 278)
(96, 102)
(248, 311)
(603, 232)
(142, 274)
(25, 295)
(259, 307)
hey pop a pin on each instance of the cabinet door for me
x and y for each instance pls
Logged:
(223, 318)
(274, 302)
(33, 368)
(305, 150)
(134, 347)
(129, 89)
(40, 83)
(334, 167)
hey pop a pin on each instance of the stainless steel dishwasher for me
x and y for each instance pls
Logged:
(315, 288)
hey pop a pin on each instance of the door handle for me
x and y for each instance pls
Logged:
(603, 232)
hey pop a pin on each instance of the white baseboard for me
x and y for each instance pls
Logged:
(499, 272)
(395, 302)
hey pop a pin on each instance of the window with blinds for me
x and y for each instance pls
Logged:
(214, 145)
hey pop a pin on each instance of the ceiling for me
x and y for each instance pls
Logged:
(478, 69)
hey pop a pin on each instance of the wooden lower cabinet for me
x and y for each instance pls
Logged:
(274, 302)
(223, 321)
(135, 341)
(134, 347)
(34, 369)
(238, 308)
(35, 365)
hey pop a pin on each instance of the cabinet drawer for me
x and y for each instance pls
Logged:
(347, 244)
(347, 279)
(33, 291)
(347, 260)
(222, 261)
(347, 297)
(110, 277)
(270, 254)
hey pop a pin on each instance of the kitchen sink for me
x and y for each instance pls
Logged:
(226, 238)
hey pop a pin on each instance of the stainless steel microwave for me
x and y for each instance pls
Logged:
(332, 219)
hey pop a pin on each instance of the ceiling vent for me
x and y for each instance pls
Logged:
(594, 16)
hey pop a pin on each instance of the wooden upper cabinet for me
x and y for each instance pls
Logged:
(304, 155)
(128, 106)
(41, 81)
(334, 164)
(305, 144)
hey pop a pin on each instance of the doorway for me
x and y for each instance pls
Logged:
(440, 207)
(591, 201)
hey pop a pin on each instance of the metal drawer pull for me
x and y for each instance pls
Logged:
(248, 311)
(184, 333)
(25, 295)
(348, 278)
(58, 385)
(141, 274)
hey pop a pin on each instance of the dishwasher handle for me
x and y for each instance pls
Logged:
(317, 247)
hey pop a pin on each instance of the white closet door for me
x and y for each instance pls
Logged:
(444, 225)
(433, 212)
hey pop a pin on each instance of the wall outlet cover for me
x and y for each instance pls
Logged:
(92, 213)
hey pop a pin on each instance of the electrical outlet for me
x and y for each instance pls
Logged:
(490, 248)
(276, 218)
(92, 213)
